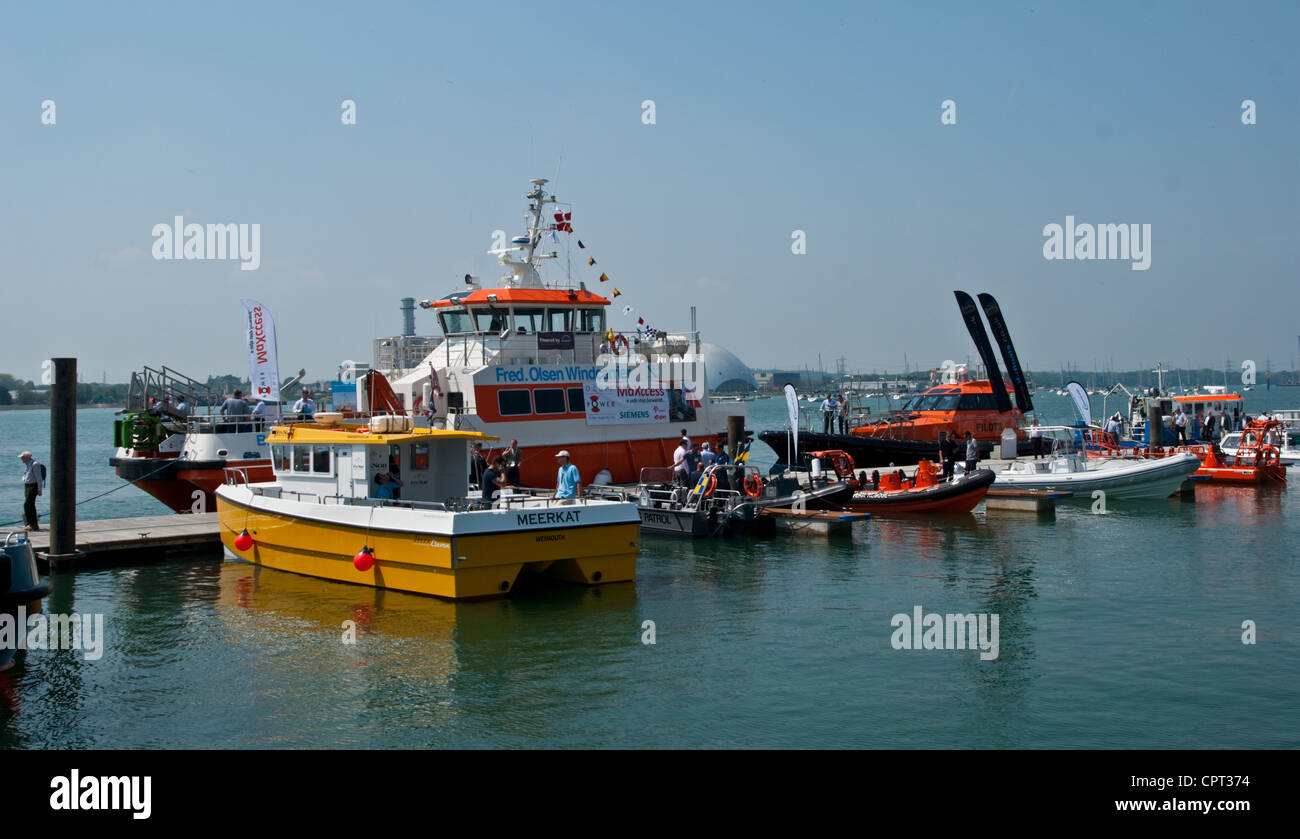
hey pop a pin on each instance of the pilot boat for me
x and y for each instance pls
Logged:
(327, 513)
(548, 364)
(950, 408)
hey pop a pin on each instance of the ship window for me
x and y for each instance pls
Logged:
(528, 321)
(577, 401)
(946, 403)
(549, 400)
(491, 321)
(514, 402)
(280, 458)
(456, 322)
(301, 459)
(559, 320)
(420, 456)
(320, 459)
(591, 320)
(976, 402)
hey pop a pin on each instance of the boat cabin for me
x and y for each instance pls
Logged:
(350, 463)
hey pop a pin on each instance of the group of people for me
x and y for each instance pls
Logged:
(835, 413)
(951, 450)
(691, 459)
(236, 406)
(1208, 428)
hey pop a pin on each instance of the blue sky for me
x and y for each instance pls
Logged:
(770, 118)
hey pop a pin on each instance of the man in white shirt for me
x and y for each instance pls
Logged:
(33, 482)
(305, 407)
(1180, 425)
(829, 406)
(1036, 439)
(679, 461)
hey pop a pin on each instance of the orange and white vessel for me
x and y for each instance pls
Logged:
(547, 364)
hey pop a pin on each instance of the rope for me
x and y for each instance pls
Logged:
(102, 494)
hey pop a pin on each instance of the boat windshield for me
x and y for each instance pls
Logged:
(456, 322)
(942, 402)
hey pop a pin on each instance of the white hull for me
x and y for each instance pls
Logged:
(1119, 479)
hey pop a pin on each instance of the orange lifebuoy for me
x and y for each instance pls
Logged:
(753, 485)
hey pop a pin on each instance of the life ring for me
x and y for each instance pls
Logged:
(753, 485)
(614, 345)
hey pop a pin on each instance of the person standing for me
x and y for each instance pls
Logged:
(946, 465)
(1207, 433)
(235, 406)
(33, 485)
(828, 413)
(1180, 425)
(305, 407)
(478, 463)
(972, 453)
(1036, 439)
(494, 480)
(679, 461)
(513, 457)
(568, 483)
(707, 457)
(842, 414)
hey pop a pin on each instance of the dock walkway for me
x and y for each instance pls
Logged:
(99, 539)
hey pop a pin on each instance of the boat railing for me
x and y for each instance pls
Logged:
(235, 475)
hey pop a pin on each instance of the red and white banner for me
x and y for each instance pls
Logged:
(263, 369)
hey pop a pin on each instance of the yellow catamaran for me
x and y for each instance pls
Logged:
(328, 513)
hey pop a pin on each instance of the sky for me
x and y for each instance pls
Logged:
(769, 118)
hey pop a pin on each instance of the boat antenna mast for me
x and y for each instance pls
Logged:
(525, 274)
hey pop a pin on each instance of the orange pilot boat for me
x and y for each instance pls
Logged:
(948, 409)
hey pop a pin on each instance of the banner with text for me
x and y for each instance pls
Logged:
(624, 405)
(264, 370)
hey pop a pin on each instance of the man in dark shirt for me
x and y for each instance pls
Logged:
(493, 480)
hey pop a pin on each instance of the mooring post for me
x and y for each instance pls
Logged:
(63, 465)
(735, 435)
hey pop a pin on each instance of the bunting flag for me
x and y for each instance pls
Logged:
(627, 310)
(562, 222)
(640, 321)
(581, 245)
(604, 278)
(591, 260)
(433, 380)
(616, 294)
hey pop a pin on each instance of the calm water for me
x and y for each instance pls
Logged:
(1116, 630)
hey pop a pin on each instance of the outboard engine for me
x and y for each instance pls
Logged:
(20, 584)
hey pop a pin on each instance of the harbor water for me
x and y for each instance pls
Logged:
(1116, 629)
